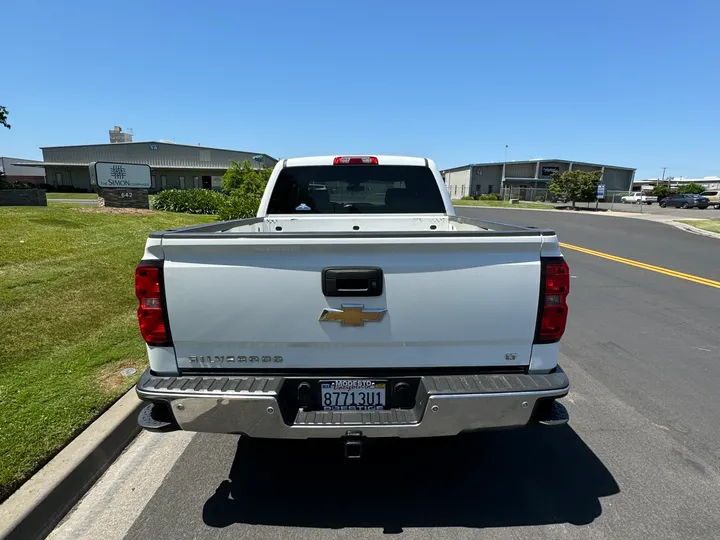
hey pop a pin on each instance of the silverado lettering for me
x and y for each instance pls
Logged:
(233, 359)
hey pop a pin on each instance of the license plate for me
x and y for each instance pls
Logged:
(352, 395)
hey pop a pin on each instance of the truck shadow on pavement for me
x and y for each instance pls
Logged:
(492, 479)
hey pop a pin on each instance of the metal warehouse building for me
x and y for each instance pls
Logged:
(534, 174)
(13, 173)
(172, 165)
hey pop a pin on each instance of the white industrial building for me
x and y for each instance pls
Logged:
(708, 182)
(531, 175)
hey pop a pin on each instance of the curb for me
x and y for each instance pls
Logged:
(694, 230)
(44, 500)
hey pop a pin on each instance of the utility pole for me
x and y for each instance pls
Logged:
(663, 178)
(502, 183)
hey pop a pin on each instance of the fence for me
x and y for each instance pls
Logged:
(543, 195)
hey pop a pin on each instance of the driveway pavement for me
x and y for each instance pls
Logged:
(91, 202)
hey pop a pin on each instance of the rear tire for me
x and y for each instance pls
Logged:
(663, 205)
(685, 206)
(717, 207)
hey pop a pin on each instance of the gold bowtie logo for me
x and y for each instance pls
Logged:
(352, 315)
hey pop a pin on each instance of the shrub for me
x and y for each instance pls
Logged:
(66, 188)
(540, 198)
(238, 207)
(661, 191)
(244, 177)
(489, 197)
(4, 184)
(692, 188)
(468, 198)
(189, 201)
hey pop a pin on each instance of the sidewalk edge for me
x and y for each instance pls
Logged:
(44, 500)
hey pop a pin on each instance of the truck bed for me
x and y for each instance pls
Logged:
(354, 226)
(457, 292)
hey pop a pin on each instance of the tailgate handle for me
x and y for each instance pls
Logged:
(358, 281)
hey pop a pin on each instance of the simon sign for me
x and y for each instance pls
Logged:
(120, 175)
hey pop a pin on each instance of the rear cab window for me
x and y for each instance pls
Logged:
(356, 189)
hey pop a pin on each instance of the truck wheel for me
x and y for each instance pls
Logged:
(648, 203)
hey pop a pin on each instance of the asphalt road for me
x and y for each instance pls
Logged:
(639, 459)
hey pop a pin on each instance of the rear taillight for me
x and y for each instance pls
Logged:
(151, 311)
(355, 160)
(553, 309)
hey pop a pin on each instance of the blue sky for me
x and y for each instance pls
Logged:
(632, 83)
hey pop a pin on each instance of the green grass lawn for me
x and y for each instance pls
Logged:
(503, 204)
(712, 225)
(54, 195)
(67, 314)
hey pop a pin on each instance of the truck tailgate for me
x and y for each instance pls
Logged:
(239, 303)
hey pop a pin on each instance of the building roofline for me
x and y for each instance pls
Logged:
(533, 161)
(20, 159)
(158, 168)
(159, 142)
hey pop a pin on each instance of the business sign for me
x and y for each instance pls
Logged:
(549, 171)
(120, 175)
(600, 191)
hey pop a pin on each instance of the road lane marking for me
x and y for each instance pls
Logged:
(644, 266)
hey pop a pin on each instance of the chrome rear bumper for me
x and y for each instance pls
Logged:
(444, 405)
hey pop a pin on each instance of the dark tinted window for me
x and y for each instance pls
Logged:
(356, 189)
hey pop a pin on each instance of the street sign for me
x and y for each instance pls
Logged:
(600, 191)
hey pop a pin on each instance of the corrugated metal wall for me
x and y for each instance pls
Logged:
(520, 170)
(486, 179)
(153, 154)
(79, 177)
(586, 168)
(458, 183)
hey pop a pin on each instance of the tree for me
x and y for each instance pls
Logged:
(692, 187)
(243, 179)
(661, 191)
(575, 185)
(3, 116)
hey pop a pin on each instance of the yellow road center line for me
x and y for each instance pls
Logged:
(652, 268)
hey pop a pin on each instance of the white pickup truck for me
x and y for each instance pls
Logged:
(355, 305)
(639, 198)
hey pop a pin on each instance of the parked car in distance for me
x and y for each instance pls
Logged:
(639, 197)
(686, 200)
(713, 197)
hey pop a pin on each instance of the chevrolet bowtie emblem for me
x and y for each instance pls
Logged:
(352, 315)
